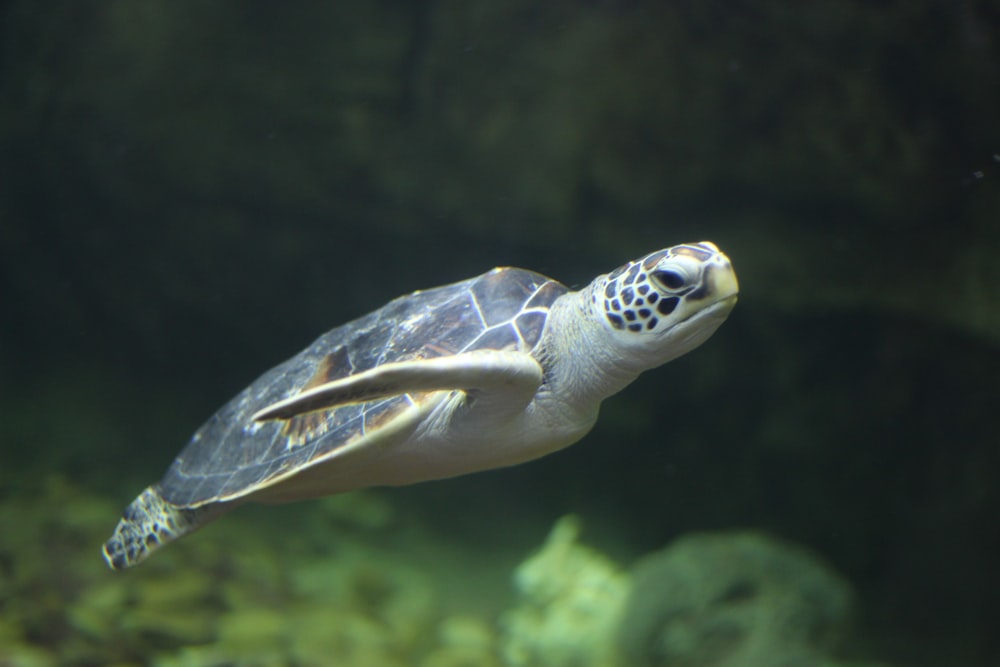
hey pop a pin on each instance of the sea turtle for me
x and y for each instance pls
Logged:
(488, 372)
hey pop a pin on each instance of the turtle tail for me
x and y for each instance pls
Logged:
(147, 524)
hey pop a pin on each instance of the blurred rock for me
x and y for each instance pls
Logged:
(734, 599)
(569, 601)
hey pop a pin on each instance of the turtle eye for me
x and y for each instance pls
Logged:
(672, 280)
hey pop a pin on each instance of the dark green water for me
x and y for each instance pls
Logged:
(190, 193)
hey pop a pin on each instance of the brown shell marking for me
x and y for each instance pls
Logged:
(303, 428)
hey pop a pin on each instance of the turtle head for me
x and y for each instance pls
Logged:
(668, 302)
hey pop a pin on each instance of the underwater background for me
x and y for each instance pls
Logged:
(191, 192)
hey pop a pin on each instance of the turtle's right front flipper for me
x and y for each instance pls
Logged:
(510, 377)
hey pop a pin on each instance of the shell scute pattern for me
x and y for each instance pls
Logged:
(502, 337)
(530, 325)
(231, 455)
(545, 295)
(498, 299)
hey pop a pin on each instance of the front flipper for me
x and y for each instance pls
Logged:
(509, 378)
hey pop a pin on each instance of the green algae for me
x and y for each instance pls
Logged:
(243, 594)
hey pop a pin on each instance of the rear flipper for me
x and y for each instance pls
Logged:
(148, 523)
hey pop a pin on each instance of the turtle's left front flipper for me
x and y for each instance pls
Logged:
(507, 378)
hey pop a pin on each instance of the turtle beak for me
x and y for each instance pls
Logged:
(721, 278)
(719, 290)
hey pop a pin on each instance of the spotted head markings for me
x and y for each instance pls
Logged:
(637, 295)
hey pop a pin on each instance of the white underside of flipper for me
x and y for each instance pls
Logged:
(478, 413)
(501, 377)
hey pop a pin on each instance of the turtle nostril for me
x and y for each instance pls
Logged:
(670, 279)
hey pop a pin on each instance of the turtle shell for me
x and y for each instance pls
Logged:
(231, 455)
